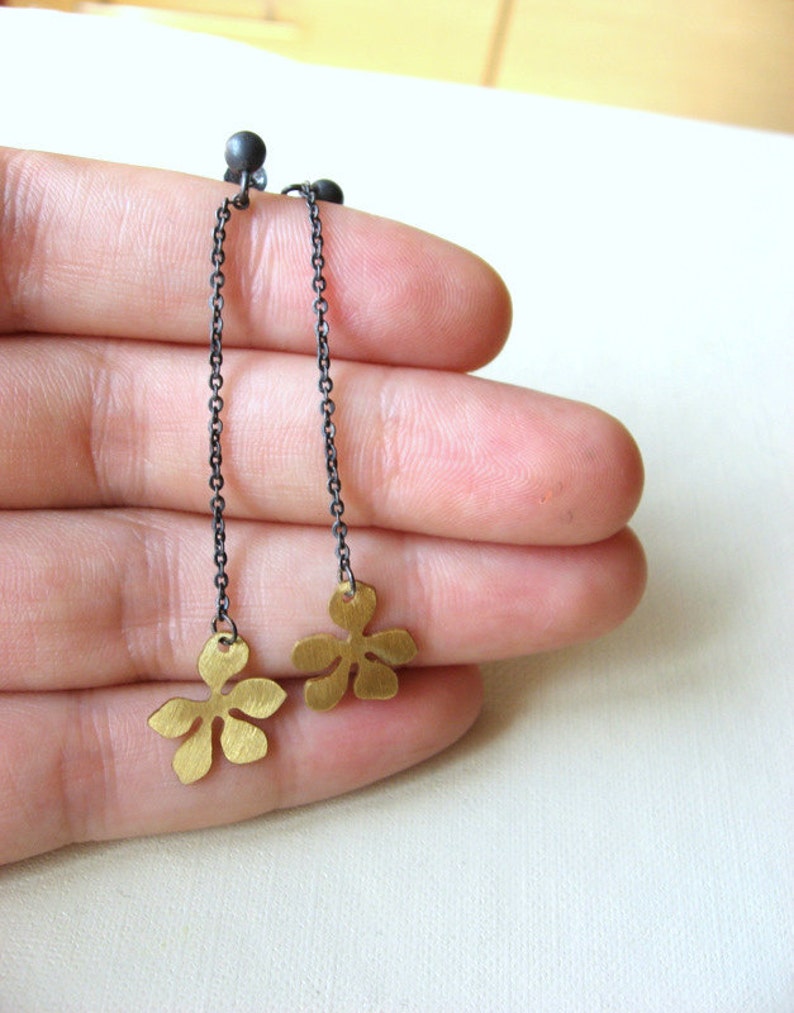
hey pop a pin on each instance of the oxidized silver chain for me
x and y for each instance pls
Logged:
(217, 503)
(309, 192)
(325, 385)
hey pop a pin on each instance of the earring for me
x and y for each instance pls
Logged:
(225, 654)
(368, 657)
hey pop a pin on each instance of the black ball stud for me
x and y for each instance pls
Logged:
(245, 155)
(245, 152)
(327, 190)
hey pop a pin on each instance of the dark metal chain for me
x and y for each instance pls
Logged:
(327, 406)
(215, 404)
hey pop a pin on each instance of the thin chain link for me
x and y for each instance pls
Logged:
(325, 385)
(215, 425)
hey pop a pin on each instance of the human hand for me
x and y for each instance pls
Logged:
(490, 518)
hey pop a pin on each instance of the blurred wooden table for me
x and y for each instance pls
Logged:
(730, 61)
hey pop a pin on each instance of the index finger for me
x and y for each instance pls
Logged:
(100, 249)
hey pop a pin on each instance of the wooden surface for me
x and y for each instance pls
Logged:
(731, 61)
(725, 60)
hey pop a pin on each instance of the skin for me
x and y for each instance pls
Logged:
(491, 519)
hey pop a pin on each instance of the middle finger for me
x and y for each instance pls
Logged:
(116, 423)
(111, 596)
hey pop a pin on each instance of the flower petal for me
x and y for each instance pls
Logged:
(354, 613)
(375, 681)
(395, 646)
(176, 716)
(194, 757)
(243, 742)
(316, 653)
(219, 662)
(259, 698)
(325, 692)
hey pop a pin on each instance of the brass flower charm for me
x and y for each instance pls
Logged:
(371, 655)
(241, 741)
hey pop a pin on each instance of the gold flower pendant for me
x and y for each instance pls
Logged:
(241, 741)
(370, 656)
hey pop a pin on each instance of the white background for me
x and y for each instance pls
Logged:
(614, 834)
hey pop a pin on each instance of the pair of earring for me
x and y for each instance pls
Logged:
(369, 659)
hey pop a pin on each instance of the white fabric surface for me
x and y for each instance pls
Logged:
(615, 832)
